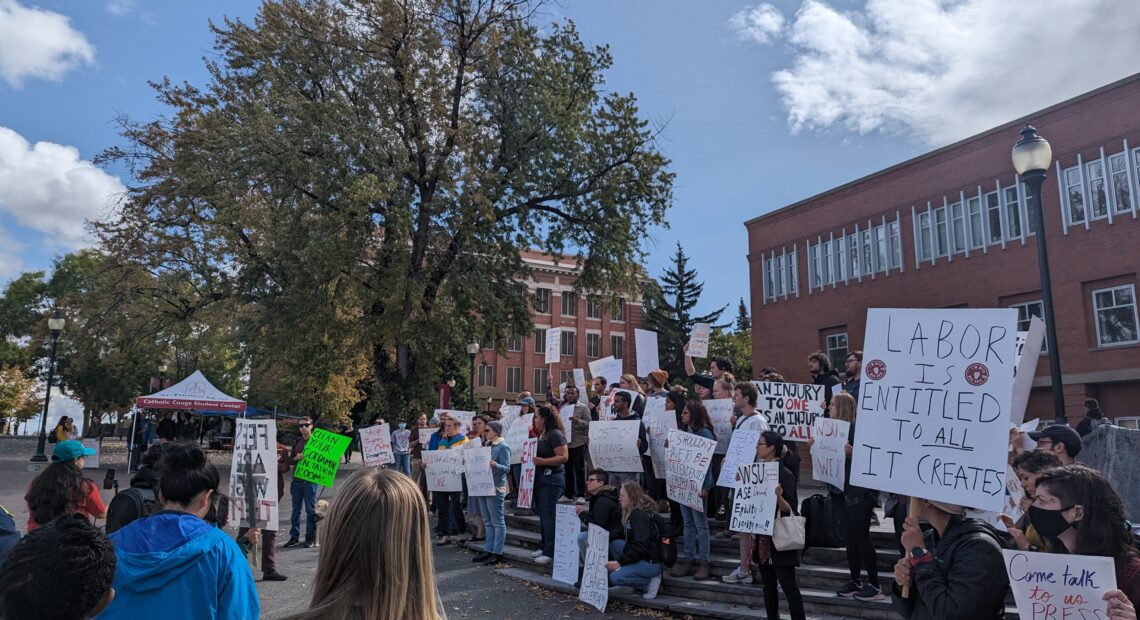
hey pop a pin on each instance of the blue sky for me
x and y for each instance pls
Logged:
(765, 104)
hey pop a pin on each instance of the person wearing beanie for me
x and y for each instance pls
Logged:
(491, 506)
(61, 487)
(658, 383)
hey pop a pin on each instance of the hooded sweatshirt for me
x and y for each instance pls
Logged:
(176, 565)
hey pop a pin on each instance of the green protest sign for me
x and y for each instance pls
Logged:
(322, 457)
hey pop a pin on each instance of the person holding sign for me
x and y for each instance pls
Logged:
(549, 476)
(695, 420)
(717, 367)
(1028, 466)
(303, 492)
(449, 508)
(578, 413)
(953, 571)
(637, 562)
(778, 568)
(491, 506)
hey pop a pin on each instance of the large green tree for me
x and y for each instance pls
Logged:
(669, 305)
(358, 176)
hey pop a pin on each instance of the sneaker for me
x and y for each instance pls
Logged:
(870, 593)
(479, 557)
(738, 576)
(851, 589)
(651, 589)
(535, 554)
(494, 559)
(308, 544)
(273, 576)
(443, 542)
(543, 559)
(293, 542)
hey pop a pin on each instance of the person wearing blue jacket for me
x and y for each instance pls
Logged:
(491, 507)
(175, 564)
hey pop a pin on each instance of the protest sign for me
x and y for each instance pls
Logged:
(517, 434)
(699, 340)
(1028, 354)
(376, 445)
(1050, 585)
(720, 413)
(754, 503)
(91, 462)
(566, 528)
(645, 346)
(477, 467)
(595, 589)
(508, 413)
(465, 417)
(1023, 430)
(609, 368)
(687, 461)
(253, 474)
(580, 381)
(526, 485)
(444, 470)
(613, 445)
(741, 450)
(1011, 508)
(933, 404)
(790, 408)
(567, 415)
(658, 423)
(553, 345)
(322, 457)
(828, 453)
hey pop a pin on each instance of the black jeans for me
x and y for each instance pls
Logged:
(576, 473)
(861, 554)
(786, 577)
(449, 513)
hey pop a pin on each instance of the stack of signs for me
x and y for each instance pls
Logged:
(376, 445)
(517, 434)
(595, 589)
(699, 340)
(613, 445)
(1048, 585)
(444, 469)
(658, 422)
(934, 404)
(566, 528)
(553, 345)
(688, 459)
(720, 413)
(253, 488)
(526, 485)
(754, 503)
(645, 345)
(477, 466)
(790, 408)
(321, 459)
(828, 453)
(741, 451)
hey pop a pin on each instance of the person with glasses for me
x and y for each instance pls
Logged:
(303, 492)
(603, 509)
(1061, 440)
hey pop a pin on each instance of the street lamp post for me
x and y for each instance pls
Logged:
(472, 350)
(1032, 156)
(55, 324)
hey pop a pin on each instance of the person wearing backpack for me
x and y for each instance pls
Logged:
(638, 560)
(138, 501)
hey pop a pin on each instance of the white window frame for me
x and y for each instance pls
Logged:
(1127, 183)
(1096, 315)
(514, 379)
(539, 340)
(617, 352)
(571, 298)
(539, 382)
(1090, 181)
(568, 346)
(828, 348)
(618, 316)
(989, 210)
(1025, 305)
(1132, 422)
(543, 295)
(1066, 193)
(978, 227)
(593, 309)
(958, 221)
(597, 338)
(486, 375)
(511, 341)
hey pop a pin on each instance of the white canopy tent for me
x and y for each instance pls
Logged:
(193, 392)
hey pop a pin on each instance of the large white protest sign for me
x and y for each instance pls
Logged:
(720, 413)
(444, 469)
(645, 345)
(828, 453)
(741, 450)
(1028, 354)
(517, 434)
(933, 404)
(477, 468)
(790, 408)
(699, 340)
(595, 588)
(465, 417)
(508, 413)
(609, 368)
(526, 485)
(253, 474)
(687, 460)
(1055, 586)
(553, 345)
(566, 412)
(91, 462)
(376, 445)
(658, 422)
(754, 503)
(580, 381)
(566, 528)
(613, 445)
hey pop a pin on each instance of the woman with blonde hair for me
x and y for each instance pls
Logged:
(637, 559)
(362, 573)
(630, 382)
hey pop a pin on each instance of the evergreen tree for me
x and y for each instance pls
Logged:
(669, 312)
(743, 320)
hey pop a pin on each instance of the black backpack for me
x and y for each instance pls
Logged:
(665, 543)
(52, 438)
(821, 529)
(134, 503)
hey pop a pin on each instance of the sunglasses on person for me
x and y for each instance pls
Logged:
(304, 425)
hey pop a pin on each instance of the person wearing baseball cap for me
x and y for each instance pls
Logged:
(61, 487)
(1060, 439)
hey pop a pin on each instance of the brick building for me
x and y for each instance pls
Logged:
(950, 229)
(588, 333)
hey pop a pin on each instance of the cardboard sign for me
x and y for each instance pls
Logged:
(741, 451)
(934, 404)
(658, 422)
(444, 470)
(613, 445)
(580, 382)
(322, 457)
(595, 588)
(720, 412)
(1028, 354)
(789, 408)
(253, 470)
(477, 467)
(754, 503)
(1049, 585)
(553, 345)
(566, 528)
(609, 368)
(699, 340)
(517, 434)
(828, 453)
(645, 343)
(91, 462)
(376, 445)
(687, 460)
(526, 484)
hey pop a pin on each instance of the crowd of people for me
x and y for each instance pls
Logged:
(165, 549)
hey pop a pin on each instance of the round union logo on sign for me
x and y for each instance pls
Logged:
(876, 369)
(977, 374)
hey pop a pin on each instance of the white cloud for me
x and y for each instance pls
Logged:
(47, 188)
(122, 7)
(759, 23)
(941, 70)
(38, 43)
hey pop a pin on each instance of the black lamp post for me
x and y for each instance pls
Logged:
(472, 350)
(55, 324)
(1031, 158)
